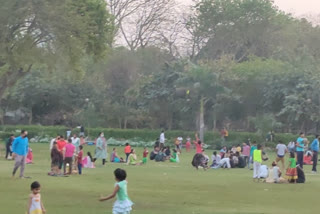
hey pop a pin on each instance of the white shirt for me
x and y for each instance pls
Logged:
(275, 173)
(263, 171)
(162, 138)
(225, 161)
(281, 149)
(51, 143)
(75, 140)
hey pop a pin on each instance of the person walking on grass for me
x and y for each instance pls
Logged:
(257, 160)
(9, 146)
(79, 157)
(300, 149)
(246, 152)
(253, 147)
(123, 204)
(162, 139)
(67, 156)
(35, 205)
(19, 152)
(281, 152)
(101, 152)
(315, 150)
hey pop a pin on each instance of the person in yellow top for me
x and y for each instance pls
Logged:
(257, 160)
(238, 149)
(35, 205)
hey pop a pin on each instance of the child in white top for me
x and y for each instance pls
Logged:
(35, 204)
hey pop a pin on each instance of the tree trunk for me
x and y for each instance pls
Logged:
(202, 119)
(30, 116)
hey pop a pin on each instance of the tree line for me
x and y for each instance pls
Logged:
(243, 64)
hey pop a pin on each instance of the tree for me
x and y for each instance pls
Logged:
(50, 33)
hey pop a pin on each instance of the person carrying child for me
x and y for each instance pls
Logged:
(123, 204)
(35, 205)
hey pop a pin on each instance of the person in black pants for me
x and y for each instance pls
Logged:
(8, 146)
(315, 150)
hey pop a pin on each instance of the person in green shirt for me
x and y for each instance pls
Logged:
(257, 160)
(253, 147)
(292, 174)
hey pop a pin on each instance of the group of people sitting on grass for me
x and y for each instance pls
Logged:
(163, 154)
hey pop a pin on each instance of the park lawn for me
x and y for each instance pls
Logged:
(155, 188)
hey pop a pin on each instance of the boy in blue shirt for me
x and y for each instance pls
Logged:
(315, 150)
(19, 153)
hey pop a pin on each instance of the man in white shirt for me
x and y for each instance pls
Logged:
(281, 152)
(162, 139)
(76, 142)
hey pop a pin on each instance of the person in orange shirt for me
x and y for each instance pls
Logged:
(61, 143)
(127, 150)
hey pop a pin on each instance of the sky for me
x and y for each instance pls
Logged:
(297, 7)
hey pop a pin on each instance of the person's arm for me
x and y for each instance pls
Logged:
(29, 203)
(64, 153)
(42, 207)
(116, 189)
(298, 145)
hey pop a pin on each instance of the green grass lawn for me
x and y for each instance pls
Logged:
(155, 188)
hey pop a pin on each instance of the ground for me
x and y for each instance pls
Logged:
(155, 188)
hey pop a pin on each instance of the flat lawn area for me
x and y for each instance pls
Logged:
(155, 188)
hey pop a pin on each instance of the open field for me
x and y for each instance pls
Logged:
(156, 188)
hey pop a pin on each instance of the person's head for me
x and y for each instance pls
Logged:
(168, 147)
(174, 151)
(114, 149)
(259, 147)
(254, 143)
(199, 142)
(74, 135)
(55, 144)
(101, 134)
(238, 145)
(24, 133)
(244, 144)
(215, 153)
(35, 187)
(127, 144)
(133, 151)
(11, 136)
(301, 134)
(225, 148)
(61, 137)
(120, 174)
(274, 163)
(292, 155)
(280, 142)
(80, 147)
(81, 137)
(317, 136)
(145, 148)
(69, 140)
(237, 154)
(203, 151)
(162, 131)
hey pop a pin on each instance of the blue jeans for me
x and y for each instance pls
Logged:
(300, 159)
(80, 168)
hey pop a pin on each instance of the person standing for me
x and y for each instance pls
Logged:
(246, 152)
(54, 140)
(162, 139)
(81, 130)
(257, 160)
(101, 152)
(67, 156)
(9, 146)
(76, 142)
(253, 147)
(19, 152)
(281, 152)
(315, 150)
(300, 149)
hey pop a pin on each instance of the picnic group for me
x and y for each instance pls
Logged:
(67, 158)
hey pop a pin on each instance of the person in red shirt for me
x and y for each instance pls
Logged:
(145, 155)
(127, 150)
(188, 144)
(68, 155)
(80, 155)
(61, 143)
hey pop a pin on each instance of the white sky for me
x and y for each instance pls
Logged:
(297, 7)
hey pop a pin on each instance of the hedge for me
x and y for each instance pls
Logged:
(211, 138)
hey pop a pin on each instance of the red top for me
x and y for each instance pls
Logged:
(61, 144)
(198, 148)
(127, 149)
(80, 154)
(145, 154)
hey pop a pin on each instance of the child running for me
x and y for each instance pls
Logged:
(292, 174)
(123, 204)
(35, 205)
